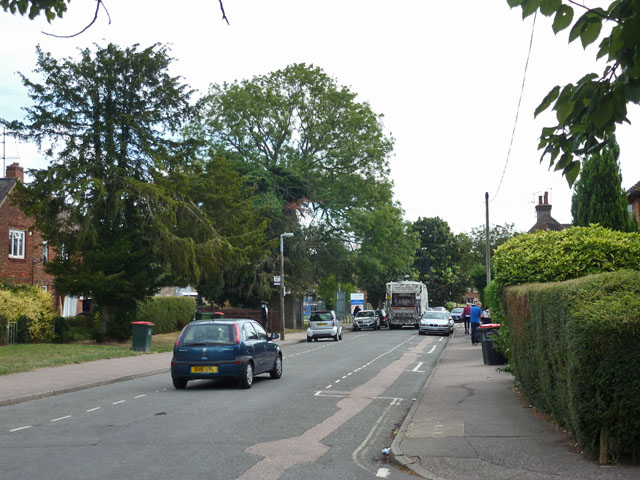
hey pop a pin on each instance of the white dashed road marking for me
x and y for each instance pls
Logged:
(61, 418)
(20, 428)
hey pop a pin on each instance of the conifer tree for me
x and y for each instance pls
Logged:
(598, 195)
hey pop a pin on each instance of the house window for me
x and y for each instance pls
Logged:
(16, 244)
(45, 252)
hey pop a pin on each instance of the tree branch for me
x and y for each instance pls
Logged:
(95, 17)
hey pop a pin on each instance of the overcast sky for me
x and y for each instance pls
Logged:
(445, 75)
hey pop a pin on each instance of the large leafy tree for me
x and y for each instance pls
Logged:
(439, 260)
(498, 234)
(598, 196)
(218, 190)
(108, 123)
(319, 161)
(588, 111)
(385, 249)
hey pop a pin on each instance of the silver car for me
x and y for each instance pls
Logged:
(366, 319)
(324, 324)
(436, 322)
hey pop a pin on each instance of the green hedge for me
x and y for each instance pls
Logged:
(75, 329)
(548, 256)
(575, 353)
(168, 314)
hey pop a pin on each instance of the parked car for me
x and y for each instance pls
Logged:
(366, 319)
(436, 322)
(457, 313)
(383, 318)
(440, 309)
(240, 348)
(324, 324)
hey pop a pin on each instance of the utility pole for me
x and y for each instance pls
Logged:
(286, 234)
(488, 246)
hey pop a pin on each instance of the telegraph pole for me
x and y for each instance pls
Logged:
(488, 246)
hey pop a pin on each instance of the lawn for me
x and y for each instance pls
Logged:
(25, 357)
(29, 356)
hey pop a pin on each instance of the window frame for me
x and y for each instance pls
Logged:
(22, 245)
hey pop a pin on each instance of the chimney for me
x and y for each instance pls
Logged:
(15, 171)
(543, 210)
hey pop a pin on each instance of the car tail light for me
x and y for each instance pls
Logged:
(334, 323)
(236, 329)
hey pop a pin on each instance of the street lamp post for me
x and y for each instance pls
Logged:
(286, 234)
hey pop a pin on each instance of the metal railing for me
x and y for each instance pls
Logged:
(12, 333)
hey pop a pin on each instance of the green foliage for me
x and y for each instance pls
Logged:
(33, 8)
(32, 308)
(75, 329)
(478, 277)
(312, 151)
(598, 195)
(439, 260)
(548, 256)
(574, 351)
(167, 314)
(328, 288)
(386, 248)
(498, 234)
(104, 202)
(588, 112)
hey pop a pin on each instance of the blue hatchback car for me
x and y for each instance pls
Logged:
(240, 348)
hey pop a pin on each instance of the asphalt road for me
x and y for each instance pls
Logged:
(335, 408)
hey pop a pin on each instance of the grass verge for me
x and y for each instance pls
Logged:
(26, 357)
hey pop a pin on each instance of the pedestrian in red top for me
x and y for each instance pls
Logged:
(466, 316)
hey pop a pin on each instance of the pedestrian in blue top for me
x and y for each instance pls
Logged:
(475, 313)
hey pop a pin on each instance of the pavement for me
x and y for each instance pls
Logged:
(468, 422)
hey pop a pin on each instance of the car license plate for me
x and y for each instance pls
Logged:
(323, 324)
(204, 369)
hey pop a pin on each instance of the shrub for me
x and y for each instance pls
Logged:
(74, 329)
(574, 351)
(32, 308)
(168, 314)
(548, 256)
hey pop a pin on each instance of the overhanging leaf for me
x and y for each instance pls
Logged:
(571, 172)
(551, 97)
(591, 31)
(549, 7)
(563, 18)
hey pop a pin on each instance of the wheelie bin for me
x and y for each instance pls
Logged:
(490, 355)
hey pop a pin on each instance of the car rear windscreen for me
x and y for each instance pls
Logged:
(207, 334)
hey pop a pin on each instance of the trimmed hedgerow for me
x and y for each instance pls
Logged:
(167, 314)
(574, 351)
(548, 256)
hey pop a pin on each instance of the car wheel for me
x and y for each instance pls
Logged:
(180, 383)
(246, 380)
(315, 339)
(309, 339)
(335, 337)
(276, 371)
(340, 334)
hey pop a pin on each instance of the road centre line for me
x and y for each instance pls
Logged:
(118, 402)
(61, 418)
(93, 409)
(20, 428)
(140, 396)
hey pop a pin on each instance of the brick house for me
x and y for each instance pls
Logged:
(23, 253)
(633, 199)
(544, 219)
